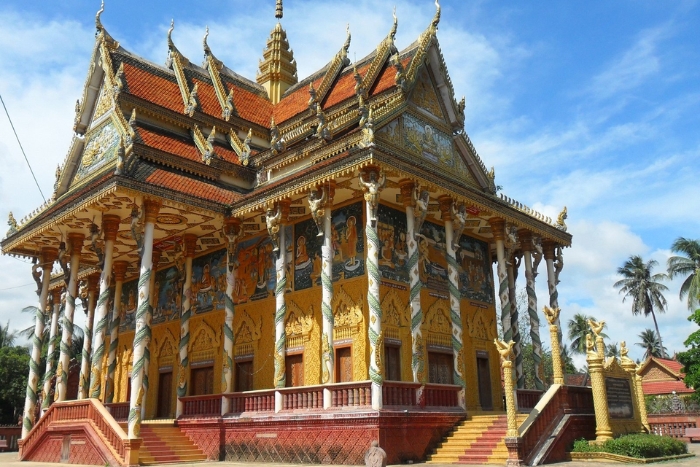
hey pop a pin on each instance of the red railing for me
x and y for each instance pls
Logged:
(441, 395)
(355, 394)
(118, 410)
(11, 434)
(400, 394)
(527, 399)
(673, 425)
(201, 406)
(89, 410)
(307, 397)
(253, 401)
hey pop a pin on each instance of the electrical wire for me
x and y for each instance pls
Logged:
(20, 146)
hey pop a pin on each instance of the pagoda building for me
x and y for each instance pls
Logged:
(260, 256)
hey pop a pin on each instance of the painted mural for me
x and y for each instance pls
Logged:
(209, 282)
(129, 300)
(348, 247)
(432, 257)
(168, 290)
(255, 263)
(475, 280)
(393, 253)
(100, 149)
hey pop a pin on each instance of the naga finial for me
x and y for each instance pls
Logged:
(98, 23)
(171, 45)
(395, 25)
(436, 18)
(279, 12)
(207, 50)
(561, 219)
(346, 46)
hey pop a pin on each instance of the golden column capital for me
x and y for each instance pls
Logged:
(151, 209)
(548, 247)
(49, 254)
(190, 241)
(552, 316)
(284, 205)
(525, 237)
(498, 227)
(232, 225)
(407, 186)
(329, 186)
(120, 268)
(445, 203)
(110, 226)
(93, 280)
(75, 240)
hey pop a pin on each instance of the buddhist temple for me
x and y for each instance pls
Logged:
(282, 268)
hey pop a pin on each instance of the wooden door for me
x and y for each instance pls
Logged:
(202, 381)
(165, 392)
(392, 362)
(295, 370)
(440, 368)
(343, 365)
(244, 376)
(484, 375)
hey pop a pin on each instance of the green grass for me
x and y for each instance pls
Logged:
(641, 446)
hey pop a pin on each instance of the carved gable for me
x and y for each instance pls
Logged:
(247, 334)
(425, 97)
(347, 314)
(101, 145)
(204, 344)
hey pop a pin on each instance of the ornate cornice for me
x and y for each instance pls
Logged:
(384, 51)
(213, 66)
(339, 62)
(178, 62)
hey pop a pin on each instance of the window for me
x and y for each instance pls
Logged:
(244, 376)
(202, 380)
(440, 367)
(343, 365)
(392, 362)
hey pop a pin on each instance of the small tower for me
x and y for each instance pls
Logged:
(278, 69)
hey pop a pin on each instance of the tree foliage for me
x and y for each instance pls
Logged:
(578, 328)
(649, 341)
(14, 363)
(687, 265)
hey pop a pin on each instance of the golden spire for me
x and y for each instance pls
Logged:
(278, 69)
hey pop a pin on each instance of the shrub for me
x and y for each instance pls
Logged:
(641, 446)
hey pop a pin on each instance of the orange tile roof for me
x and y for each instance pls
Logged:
(665, 387)
(153, 88)
(206, 96)
(673, 365)
(387, 77)
(344, 87)
(294, 103)
(251, 106)
(190, 186)
(169, 143)
(226, 154)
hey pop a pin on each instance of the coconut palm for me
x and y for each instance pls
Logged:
(578, 328)
(7, 338)
(641, 285)
(611, 350)
(686, 265)
(651, 344)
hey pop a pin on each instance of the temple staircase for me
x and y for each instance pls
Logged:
(164, 443)
(478, 440)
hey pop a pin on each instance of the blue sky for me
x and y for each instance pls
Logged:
(593, 105)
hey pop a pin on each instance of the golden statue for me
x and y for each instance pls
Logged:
(596, 327)
(552, 314)
(504, 349)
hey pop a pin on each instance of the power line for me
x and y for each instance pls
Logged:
(20, 146)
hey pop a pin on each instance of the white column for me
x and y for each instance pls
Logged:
(48, 255)
(76, 244)
(50, 361)
(232, 231)
(498, 231)
(526, 246)
(190, 242)
(87, 341)
(328, 321)
(455, 298)
(119, 273)
(152, 303)
(280, 378)
(142, 335)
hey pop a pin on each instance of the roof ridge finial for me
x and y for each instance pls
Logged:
(171, 45)
(395, 25)
(278, 10)
(98, 23)
(436, 18)
(207, 50)
(346, 46)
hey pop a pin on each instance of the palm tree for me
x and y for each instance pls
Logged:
(643, 287)
(578, 328)
(611, 350)
(688, 264)
(651, 344)
(7, 338)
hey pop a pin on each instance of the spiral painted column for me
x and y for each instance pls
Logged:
(75, 240)
(232, 228)
(50, 361)
(498, 231)
(110, 227)
(142, 334)
(83, 388)
(548, 248)
(526, 246)
(48, 256)
(280, 378)
(514, 324)
(190, 243)
(455, 298)
(153, 303)
(120, 268)
(376, 337)
(417, 345)
(328, 323)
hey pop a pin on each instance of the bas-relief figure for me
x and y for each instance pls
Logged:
(100, 149)
(347, 239)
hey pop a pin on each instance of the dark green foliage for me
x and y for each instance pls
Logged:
(641, 446)
(691, 357)
(14, 366)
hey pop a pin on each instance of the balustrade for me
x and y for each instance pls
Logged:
(673, 425)
(527, 399)
(356, 394)
(118, 410)
(253, 401)
(202, 406)
(441, 395)
(397, 393)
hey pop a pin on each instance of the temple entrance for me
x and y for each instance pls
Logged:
(440, 367)
(392, 362)
(202, 380)
(484, 376)
(165, 390)
(244, 376)
(343, 365)
(294, 370)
